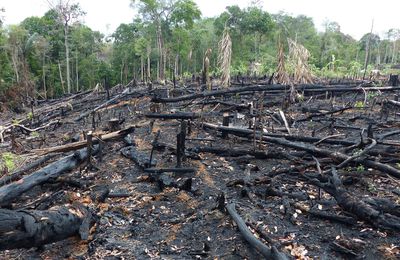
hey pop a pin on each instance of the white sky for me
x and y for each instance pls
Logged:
(354, 16)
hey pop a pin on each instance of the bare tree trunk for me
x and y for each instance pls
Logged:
(14, 59)
(77, 72)
(122, 69)
(44, 76)
(148, 67)
(164, 64)
(176, 66)
(158, 70)
(67, 57)
(61, 78)
(160, 52)
(126, 74)
(367, 50)
(386, 57)
(141, 69)
(378, 56)
(394, 52)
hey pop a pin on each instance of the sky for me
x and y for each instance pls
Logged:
(354, 16)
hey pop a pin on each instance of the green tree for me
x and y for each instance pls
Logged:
(67, 14)
(161, 14)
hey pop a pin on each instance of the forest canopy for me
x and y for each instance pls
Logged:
(45, 57)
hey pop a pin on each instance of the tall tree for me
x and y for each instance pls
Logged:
(394, 36)
(2, 10)
(68, 13)
(162, 14)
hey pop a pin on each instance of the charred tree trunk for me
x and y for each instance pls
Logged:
(9, 192)
(25, 229)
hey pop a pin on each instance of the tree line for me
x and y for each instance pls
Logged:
(46, 57)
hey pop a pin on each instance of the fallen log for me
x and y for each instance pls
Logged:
(26, 229)
(268, 252)
(216, 93)
(360, 208)
(171, 170)
(308, 139)
(308, 89)
(140, 158)
(78, 145)
(242, 152)
(11, 191)
(312, 149)
(178, 115)
(15, 175)
(114, 100)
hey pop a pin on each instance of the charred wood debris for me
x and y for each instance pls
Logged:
(151, 171)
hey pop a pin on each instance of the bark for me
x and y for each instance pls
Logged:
(11, 191)
(25, 229)
(267, 252)
(15, 175)
(178, 115)
(67, 57)
(112, 101)
(78, 145)
(384, 168)
(307, 89)
(364, 211)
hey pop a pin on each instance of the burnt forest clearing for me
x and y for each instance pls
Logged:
(249, 135)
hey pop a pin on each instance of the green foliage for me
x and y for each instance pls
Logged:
(360, 168)
(174, 33)
(34, 134)
(8, 162)
(371, 187)
(359, 104)
(29, 116)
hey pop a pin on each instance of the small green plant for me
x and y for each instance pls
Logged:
(29, 116)
(300, 97)
(360, 168)
(8, 161)
(371, 95)
(398, 165)
(359, 104)
(34, 134)
(15, 121)
(371, 187)
(357, 152)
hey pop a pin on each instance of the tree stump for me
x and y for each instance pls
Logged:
(394, 80)
(113, 125)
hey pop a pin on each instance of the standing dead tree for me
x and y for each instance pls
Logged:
(67, 13)
(206, 68)
(225, 57)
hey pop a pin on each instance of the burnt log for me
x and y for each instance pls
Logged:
(11, 191)
(126, 93)
(311, 149)
(267, 252)
(15, 175)
(77, 145)
(178, 115)
(26, 229)
(368, 212)
(141, 159)
(306, 89)
(241, 152)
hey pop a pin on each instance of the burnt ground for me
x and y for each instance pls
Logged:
(272, 195)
